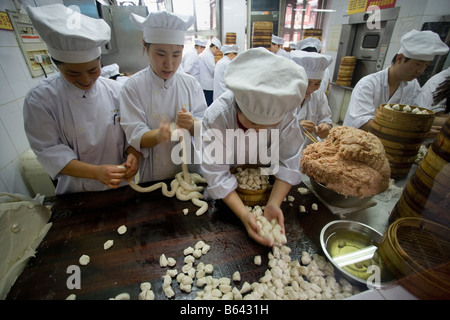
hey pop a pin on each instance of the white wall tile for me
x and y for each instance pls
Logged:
(12, 178)
(6, 94)
(11, 61)
(12, 118)
(8, 152)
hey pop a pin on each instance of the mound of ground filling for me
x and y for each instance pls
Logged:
(351, 162)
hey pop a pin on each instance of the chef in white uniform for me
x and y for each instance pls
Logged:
(256, 101)
(314, 113)
(276, 46)
(160, 94)
(312, 44)
(397, 83)
(207, 68)
(191, 59)
(229, 51)
(72, 119)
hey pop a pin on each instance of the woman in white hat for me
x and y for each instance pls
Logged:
(276, 46)
(397, 83)
(72, 119)
(260, 105)
(207, 68)
(314, 113)
(230, 51)
(191, 59)
(160, 94)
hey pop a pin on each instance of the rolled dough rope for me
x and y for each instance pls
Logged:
(184, 186)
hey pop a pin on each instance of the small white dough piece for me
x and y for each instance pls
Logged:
(185, 211)
(257, 260)
(314, 206)
(84, 259)
(122, 296)
(108, 244)
(163, 261)
(71, 297)
(171, 262)
(122, 229)
(236, 276)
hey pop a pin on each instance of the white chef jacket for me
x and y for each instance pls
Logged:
(316, 109)
(191, 63)
(207, 65)
(373, 90)
(325, 81)
(425, 98)
(222, 115)
(219, 76)
(146, 99)
(65, 123)
(283, 53)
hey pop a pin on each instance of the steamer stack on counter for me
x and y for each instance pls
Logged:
(427, 192)
(262, 34)
(313, 33)
(401, 132)
(346, 69)
(230, 38)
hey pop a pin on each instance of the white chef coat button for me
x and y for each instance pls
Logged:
(155, 115)
(80, 130)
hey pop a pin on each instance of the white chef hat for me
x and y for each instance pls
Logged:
(70, 36)
(263, 98)
(277, 40)
(217, 43)
(309, 42)
(228, 48)
(110, 70)
(422, 45)
(163, 27)
(314, 63)
(200, 43)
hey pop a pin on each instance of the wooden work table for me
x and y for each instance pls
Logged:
(156, 225)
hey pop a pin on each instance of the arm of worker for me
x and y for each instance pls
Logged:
(132, 163)
(108, 174)
(361, 108)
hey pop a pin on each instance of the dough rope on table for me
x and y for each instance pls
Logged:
(184, 186)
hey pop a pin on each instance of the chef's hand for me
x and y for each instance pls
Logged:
(274, 212)
(249, 222)
(110, 175)
(308, 125)
(132, 164)
(164, 132)
(323, 129)
(185, 119)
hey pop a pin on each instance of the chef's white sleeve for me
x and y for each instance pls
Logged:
(361, 107)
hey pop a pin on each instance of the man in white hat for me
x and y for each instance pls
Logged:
(207, 67)
(229, 51)
(72, 119)
(158, 95)
(276, 46)
(312, 44)
(191, 59)
(314, 113)
(397, 83)
(260, 105)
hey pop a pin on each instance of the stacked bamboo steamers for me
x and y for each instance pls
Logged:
(346, 69)
(416, 246)
(262, 34)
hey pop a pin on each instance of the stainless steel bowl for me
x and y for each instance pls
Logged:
(358, 261)
(337, 199)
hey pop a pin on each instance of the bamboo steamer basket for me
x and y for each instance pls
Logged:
(402, 135)
(262, 34)
(346, 69)
(313, 33)
(417, 252)
(230, 38)
(253, 198)
(427, 192)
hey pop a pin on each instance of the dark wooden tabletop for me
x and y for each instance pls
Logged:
(156, 225)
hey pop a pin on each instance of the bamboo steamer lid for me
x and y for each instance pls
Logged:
(417, 252)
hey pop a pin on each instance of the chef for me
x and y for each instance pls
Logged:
(255, 101)
(397, 83)
(207, 67)
(191, 59)
(312, 44)
(72, 119)
(229, 51)
(314, 113)
(158, 95)
(276, 46)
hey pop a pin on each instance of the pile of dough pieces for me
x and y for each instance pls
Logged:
(251, 179)
(406, 109)
(309, 278)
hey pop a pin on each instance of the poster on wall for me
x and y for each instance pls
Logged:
(5, 23)
(358, 6)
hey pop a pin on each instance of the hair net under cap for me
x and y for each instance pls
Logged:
(266, 86)
(314, 63)
(422, 45)
(70, 36)
(163, 27)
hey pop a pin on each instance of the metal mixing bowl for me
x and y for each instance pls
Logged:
(336, 199)
(345, 231)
